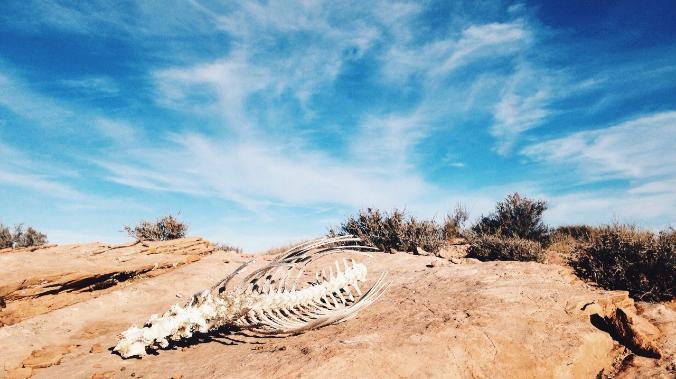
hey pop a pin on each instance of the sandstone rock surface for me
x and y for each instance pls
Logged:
(38, 280)
(453, 320)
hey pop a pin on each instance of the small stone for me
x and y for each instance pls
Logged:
(97, 348)
(437, 263)
(103, 375)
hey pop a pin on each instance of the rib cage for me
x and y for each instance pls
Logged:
(272, 299)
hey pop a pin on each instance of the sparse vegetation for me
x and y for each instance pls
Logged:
(499, 248)
(20, 237)
(164, 229)
(578, 232)
(515, 231)
(454, 223)
(565, 240)
(516, 217)
(623, 257)
(6, 239)
(393, 231)
(226, 247)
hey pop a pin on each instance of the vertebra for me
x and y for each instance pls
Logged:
(267, 301)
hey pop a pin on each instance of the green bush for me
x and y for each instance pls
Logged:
(518, 217)
(622, 257)
(498, 248)
(164, 229)
(21, 237)
(393, 231)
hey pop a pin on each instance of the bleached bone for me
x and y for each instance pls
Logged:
(270, 300)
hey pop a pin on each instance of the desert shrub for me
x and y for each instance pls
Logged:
(226, 247)
(517, 217)
(454, 223)
(28, 237)
(498, 248)
(578, 232)
(393, 231)
(5, 237)
(562, 246)
(622, 257)
(164, 229)
(21, 237)
(565, 240)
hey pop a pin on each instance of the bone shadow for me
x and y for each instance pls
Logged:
(224, 335)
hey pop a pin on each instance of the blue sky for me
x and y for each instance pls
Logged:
(267, 122)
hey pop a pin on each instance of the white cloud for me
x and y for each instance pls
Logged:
(639, 151)
(522, 106)
(61, 116)
(104, 18)
(227, 82)
(654, 210)
(17, 169)
(315, 49)
(93, 85)
(39, 183)
(655, 187)
(486, 40)
(20, 99)
(117, 131)
(380, 154)
(634, 149)
(255, 173)
(438, 58)
(523, 95)
(387, 141)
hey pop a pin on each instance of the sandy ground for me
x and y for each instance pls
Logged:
(438, 319)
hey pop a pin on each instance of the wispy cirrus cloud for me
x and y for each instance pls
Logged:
(385, 141)
(221, 87)
(254, 174)
(523, 90)
(20, 99)
(101, 17)
(653, 210)
(18, 169)
(638, 151)
(439, 57)
(318, 40)
(639, 148)
(93, 85)
(118, 132)
(522, 106)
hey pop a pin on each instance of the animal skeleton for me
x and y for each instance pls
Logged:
(267, 301)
